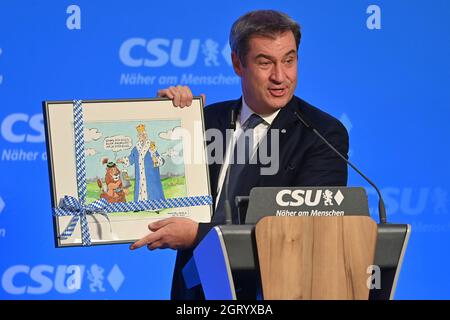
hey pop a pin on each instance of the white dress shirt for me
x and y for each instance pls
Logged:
(258, 133)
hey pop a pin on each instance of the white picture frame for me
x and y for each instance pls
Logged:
(114, 130)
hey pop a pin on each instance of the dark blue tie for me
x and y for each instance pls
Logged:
(236, 168)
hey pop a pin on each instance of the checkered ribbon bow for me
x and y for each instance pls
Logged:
(72, 207)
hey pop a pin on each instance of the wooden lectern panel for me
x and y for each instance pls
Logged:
(316, 257)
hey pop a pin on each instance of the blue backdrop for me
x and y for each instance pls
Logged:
(382, 67)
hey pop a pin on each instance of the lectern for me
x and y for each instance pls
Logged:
(304, 256)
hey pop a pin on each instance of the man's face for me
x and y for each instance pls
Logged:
(269, 77)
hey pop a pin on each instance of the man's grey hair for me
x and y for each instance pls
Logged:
(266, 23)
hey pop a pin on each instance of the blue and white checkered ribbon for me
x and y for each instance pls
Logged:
(79, 149)
(158, 204)
(72, 207)
(77, 208)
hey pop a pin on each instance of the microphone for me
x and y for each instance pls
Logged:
(227, 204)
(381, 207)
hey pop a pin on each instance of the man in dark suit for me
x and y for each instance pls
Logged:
(264, 53)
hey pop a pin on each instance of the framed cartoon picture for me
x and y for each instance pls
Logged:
(117, 165)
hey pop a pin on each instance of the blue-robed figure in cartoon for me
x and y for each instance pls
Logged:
(146, 161)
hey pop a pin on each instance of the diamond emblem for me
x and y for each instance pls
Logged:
(115, 278)
(339, 197)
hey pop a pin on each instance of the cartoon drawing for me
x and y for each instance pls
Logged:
(115, 190)
(152, 151)
(328, 197)
(147, 161)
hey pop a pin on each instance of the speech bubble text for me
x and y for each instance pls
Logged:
(117, 143)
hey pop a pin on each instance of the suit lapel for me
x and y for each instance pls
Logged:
(285, 123)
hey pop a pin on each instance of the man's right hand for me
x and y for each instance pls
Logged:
(181, 96)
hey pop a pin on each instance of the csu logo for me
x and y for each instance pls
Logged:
(41, 279)
(413, 201)
(21, 127)
(158, 52)
(65, 279)
(311, 198)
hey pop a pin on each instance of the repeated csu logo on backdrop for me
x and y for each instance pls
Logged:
(22, 137)
(209, 62)
(62, 279)
(412, 201)
(183, 53)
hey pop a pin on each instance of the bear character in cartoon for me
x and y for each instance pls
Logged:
(115, 192)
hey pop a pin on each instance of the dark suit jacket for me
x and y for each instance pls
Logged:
(304, 160)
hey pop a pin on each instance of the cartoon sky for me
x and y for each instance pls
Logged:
(97, 132)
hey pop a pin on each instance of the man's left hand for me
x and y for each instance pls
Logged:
(174, 233)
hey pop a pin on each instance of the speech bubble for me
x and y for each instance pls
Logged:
(117, 143)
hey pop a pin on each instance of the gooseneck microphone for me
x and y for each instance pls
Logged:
(381, 207)
(227, 204)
